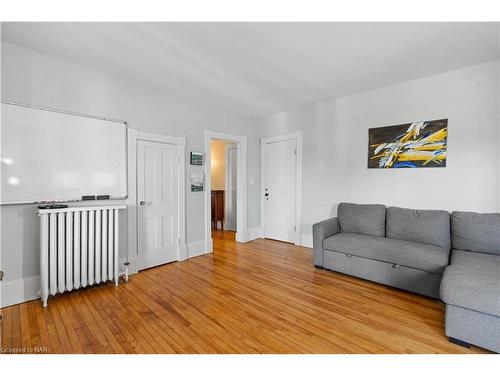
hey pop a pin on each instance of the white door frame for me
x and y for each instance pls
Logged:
(227, 197)
(298, 179)
(241, 188)
(134, 136)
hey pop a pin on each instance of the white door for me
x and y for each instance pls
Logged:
(231, 184)
(279, 164)
(157, 202)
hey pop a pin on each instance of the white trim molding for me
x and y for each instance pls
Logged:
(21, 290)
(241, 184)
(297, 136)
(254, 233)
(134, 136)
(306, 240)
(227, 197)
(198, 248)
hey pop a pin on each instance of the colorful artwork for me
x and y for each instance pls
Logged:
(417, 145)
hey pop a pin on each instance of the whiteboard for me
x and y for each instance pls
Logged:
(54, 156)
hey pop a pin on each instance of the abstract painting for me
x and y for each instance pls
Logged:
(416, 145)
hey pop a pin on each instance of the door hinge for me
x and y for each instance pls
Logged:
(295, 151)
(178, 240)
(295, 229)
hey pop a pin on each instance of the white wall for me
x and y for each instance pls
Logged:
(336, 139)
(34, 78)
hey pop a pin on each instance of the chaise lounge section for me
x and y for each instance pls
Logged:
(471, 283)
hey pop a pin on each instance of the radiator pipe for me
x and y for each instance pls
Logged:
(127, 264)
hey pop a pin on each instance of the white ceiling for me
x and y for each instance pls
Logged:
(263, 68)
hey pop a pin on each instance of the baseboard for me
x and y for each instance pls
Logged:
(249, 235)
(254, 233)
(27, 289)
(20, 290)
(258, 232)
(306, 240)
(183, 252)
(198, 248)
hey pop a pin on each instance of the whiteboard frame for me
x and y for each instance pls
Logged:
(79, 115)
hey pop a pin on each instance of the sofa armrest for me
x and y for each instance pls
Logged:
(322, 230)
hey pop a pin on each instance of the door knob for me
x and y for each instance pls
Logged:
(142, 203)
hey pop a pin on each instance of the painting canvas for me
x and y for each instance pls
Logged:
(196, 158)
(197, 179)
(416, 145)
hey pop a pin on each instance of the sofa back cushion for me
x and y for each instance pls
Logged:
(362, 218)
(430, 227)
(476, 232)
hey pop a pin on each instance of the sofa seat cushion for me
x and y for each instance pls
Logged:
(431, 227)
(472, 288)
(476, 232)
(410, 254)
(362, 218)
(478, 260)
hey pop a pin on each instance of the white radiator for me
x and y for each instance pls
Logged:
(78, 247)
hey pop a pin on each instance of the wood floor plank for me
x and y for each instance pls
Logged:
(16, 345)
(55, 343)
(196, 317)
(74, 324)
(35, 332)
(98, 338)
(176, 326)
(70, 327)
(25, 327)
(101, 323)
(258, 297)
(89, 342)
(141, 342)
(146, 333)
(126, 341)
(6, 335)
(42, 326)
(61, 329)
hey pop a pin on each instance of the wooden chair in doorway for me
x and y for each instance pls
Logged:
(217, 209)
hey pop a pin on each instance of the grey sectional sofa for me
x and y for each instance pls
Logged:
(410, 249)
(471, 283)
(407, 249)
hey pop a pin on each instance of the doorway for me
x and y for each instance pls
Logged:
(281, 159)
(223, 181)
(225, 193)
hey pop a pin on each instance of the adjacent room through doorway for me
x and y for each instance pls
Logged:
(223, 187)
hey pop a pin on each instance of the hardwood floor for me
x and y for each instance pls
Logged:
(260, 297)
